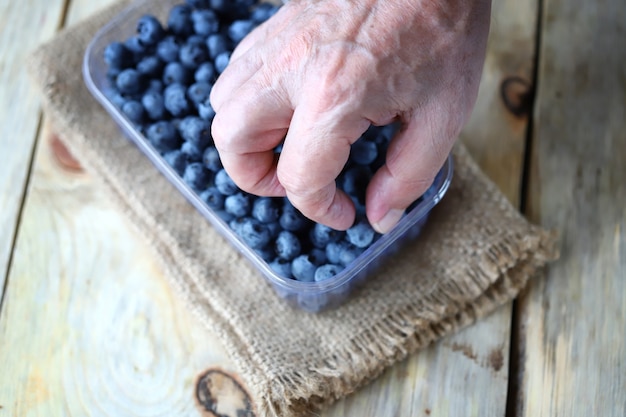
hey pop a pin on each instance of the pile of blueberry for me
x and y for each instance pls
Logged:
(161, 79)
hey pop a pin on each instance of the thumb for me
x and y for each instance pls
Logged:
(415, 155)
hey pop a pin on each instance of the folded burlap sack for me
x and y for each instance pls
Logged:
(475, 254)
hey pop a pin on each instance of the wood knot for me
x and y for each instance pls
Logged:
(220, 394)
(517, 95)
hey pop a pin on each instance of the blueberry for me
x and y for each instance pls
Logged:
(236, 224)
(179, 20)
(254, 233)
(129, 81)
(242, 7)
(287, 245)
(327, 271)
(196, 176)
(238, 204)
(361, 234)
(363, 152)
(281, 267)
(133, 110)
(149, 30)
(191, 151)
(266, 210)
(168, 49)
(347, 254)
(266, 253)
(197, 40)
(205, 22)
(321, 235)
(221, 62)
(239, 29)
(154, 105)
(154, 86)
(163, 136)
(112, 74)
(224, 183)
(342, 252)
(359, 205)
(226, 217)
(274, 229)
(198, 4)
(318, 256)
(213, 198)
(175, 99)
(292, 220)
(354, 181)
(205, 110)
(263, 12)
(219, 5)
(229, 9)
(333, 251)
(118, 56)
(177, 160)
(116, 98)
(192, 55)
(150, 66)
(136, 46)
(211, 160)
(199, 92)
(386, 133)
(217, 44)
(245, 4)
(196, 130)
(205, 73)
(303, 269)
(175, 72)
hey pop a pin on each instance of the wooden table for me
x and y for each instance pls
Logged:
(88, 326)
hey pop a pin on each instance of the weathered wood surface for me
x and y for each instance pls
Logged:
(21, 29)
(573, 324)
(90, 328)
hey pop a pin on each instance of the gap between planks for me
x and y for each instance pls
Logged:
(4, 279)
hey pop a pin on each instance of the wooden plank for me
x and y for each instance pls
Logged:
(466, 374)
(24, 25)
(573, 322)
(90, 326)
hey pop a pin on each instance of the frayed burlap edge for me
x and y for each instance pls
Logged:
(502, 274)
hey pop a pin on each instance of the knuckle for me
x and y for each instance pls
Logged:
(313, 202)
(294, 181)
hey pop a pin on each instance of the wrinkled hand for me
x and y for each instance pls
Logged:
(320, 72)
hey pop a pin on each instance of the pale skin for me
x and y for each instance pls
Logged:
(319, 72)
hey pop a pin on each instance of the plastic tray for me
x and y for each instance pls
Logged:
(309, 296)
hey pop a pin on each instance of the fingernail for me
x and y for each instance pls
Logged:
(388, 221)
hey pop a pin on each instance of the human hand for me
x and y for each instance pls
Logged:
(318, 73)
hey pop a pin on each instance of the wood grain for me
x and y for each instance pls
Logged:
(466, 374)
(23, 28)
(90, 326)
(573, 322)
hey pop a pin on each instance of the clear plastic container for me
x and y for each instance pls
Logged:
(309, 296)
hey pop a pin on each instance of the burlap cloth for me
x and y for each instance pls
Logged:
(475, 254)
